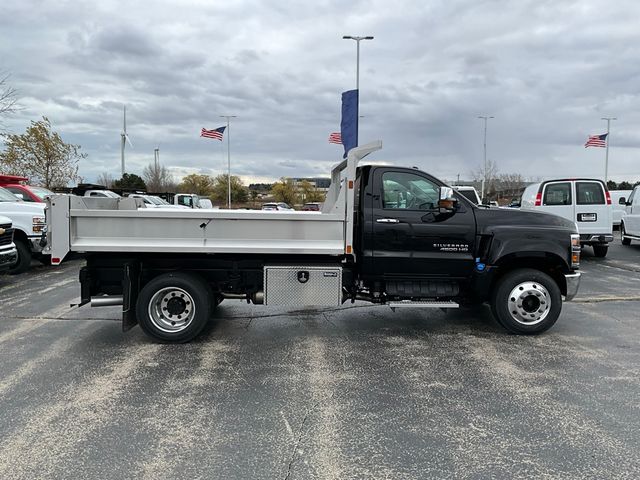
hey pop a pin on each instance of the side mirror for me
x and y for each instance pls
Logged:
(446, 202)
(622, 201)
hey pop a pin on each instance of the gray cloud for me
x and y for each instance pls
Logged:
(546, 70)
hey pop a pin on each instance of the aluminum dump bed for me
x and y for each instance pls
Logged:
(86, 224)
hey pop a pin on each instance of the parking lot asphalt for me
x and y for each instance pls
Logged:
(352, 392)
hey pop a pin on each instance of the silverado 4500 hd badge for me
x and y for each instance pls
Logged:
(451, 247)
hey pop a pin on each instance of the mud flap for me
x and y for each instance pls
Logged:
(130, 289)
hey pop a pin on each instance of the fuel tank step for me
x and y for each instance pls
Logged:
(422, 304)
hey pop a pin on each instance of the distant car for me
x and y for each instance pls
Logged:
(28, 193)
(515, 203)
(101, 193)
(312, 207)
(276, 206)
(470, 193)
(151, 201)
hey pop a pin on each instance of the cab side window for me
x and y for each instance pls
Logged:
(557, 194)
(589, 193)
(17, 191)
(407, 191)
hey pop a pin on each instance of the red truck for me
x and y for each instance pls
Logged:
(17, 185)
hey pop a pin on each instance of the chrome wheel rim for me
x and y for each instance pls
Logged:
(171, 309)
(529, 303)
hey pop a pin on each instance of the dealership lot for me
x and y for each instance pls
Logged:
(355, 392)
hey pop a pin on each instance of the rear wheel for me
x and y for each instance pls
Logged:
(623, 232)
(600, 251)
(24, 258)
(174, 307)
(526, 301)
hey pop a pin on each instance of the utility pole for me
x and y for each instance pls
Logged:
(229, 157)
(358, 40)
(606, 155)
(484, 176)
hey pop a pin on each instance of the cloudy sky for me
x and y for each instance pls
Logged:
(546, 70)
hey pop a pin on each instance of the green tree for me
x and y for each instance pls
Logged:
(611, 185)
(310, 192)
(254, 195)
(130, 181)
(199, 184)
(239, 193)
(285, 191)
(624, 186)
(41, 155)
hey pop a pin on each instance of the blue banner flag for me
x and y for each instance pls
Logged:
(349, 123)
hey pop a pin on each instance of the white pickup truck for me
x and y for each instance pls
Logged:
(28, 223)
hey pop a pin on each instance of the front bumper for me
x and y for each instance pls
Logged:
(35, 244)
(590, 238)
(573, 283)
(8, 258)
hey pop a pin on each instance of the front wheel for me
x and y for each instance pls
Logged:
(526, 301)
(174, 307)
(623, 233)
(24, 258)
(600, 251)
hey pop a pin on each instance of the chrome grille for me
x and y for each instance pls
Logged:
(7, 237)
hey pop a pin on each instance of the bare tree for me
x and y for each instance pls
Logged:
(492, 176)
(105, 179)
(158, 178)
(8, 97)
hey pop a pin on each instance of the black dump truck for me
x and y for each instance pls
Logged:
(387, 235)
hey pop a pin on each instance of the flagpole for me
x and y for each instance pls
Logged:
(606, 155)
(228, 158)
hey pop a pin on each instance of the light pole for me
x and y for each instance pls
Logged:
(228, 157)
(484, 179)
(358, 39)
(606, 155)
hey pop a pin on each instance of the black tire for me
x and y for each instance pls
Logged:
(543, 304)
(623, 232)
(174, 307)
(24, 258)
(600, 251)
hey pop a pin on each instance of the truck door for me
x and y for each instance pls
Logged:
(632, 213)
(411, 237)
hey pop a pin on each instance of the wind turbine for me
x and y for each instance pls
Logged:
(123, 139)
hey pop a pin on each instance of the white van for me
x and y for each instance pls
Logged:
(582, 200)
(630, 225)
(618, 201)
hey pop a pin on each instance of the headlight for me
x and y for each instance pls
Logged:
(575, 250)
(38, 224)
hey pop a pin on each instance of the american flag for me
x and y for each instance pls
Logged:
(335, 138)
(596, 141)
(217, 133)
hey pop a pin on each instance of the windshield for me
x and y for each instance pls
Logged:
(7, 196)
(159, 201)
(41, 192)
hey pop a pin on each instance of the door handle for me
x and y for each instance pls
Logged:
(387, 220)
